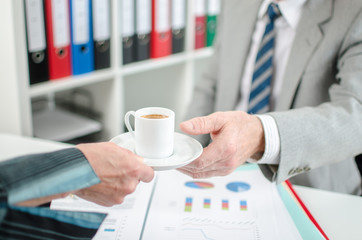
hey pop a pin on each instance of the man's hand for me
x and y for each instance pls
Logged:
(119, 170)
(236, 136)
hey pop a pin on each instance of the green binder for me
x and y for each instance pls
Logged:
(211, 25)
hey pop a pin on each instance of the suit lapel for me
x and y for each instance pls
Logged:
(242, 16)
(308, 36)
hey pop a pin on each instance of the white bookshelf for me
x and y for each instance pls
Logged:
(165, 82)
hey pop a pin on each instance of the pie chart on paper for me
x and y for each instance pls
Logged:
(199, 185)
(238, 186)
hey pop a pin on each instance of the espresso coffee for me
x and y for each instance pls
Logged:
(154, 116)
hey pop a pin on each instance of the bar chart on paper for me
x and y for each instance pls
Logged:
(217, 208)
(207, 204)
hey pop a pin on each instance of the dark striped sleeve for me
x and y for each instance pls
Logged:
(40, 175)
(45, 174)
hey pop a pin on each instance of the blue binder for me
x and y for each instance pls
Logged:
(82, 36)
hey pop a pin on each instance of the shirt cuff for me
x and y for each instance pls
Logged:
(272, 141)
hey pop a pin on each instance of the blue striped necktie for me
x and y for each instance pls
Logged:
(263, 70)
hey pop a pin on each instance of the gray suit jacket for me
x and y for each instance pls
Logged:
(319, 115)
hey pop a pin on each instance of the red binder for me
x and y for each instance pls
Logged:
(161, 35)
(200, 23)
(58, 38)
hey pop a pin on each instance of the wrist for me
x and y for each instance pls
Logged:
(271, 152)
(259, 137)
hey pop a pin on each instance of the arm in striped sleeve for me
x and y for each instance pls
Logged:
(39, 175)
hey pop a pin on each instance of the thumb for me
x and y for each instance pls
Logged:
(201, 125)
(139, 158)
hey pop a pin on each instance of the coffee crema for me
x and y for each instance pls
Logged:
(154, 116)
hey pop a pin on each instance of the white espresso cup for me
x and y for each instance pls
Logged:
(154, 131)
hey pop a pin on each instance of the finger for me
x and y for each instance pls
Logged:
(205, 174)
(184, 171)
(211, 156)
(100, 199)
(105, 195)
(102, 202)
(202, 125)
(39, 201)
(220, 166)
(139, 158)
(146, 174)
(199, 163)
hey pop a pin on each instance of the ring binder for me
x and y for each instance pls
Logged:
(161, 38)
(143, 29)
(178, 25)
(101, 30)
(128, 31)
(58, 32)
(82, 44)
(200, 23)
(36, 41)
(213, 10)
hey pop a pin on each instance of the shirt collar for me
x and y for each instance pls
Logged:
(290, 9)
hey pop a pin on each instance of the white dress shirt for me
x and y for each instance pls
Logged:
(285, 27)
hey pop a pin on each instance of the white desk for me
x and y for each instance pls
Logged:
(13, 145)
(339, 215)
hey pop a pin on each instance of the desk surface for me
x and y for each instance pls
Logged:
(339, 215)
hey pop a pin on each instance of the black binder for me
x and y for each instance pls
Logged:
(178, 40)
(36, 41)
(178, 25)
(102, 54)
(128, 44)
(142, 47)
(143, 27)
(128, 31)
(38, 66)
(102, 34)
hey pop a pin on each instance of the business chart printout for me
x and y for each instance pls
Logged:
(242, 205)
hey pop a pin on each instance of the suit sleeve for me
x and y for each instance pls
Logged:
(312, 137)
(40, 175)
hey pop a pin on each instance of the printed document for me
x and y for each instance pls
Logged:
(242, 205)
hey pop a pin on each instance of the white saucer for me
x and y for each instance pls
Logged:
(186, 149)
